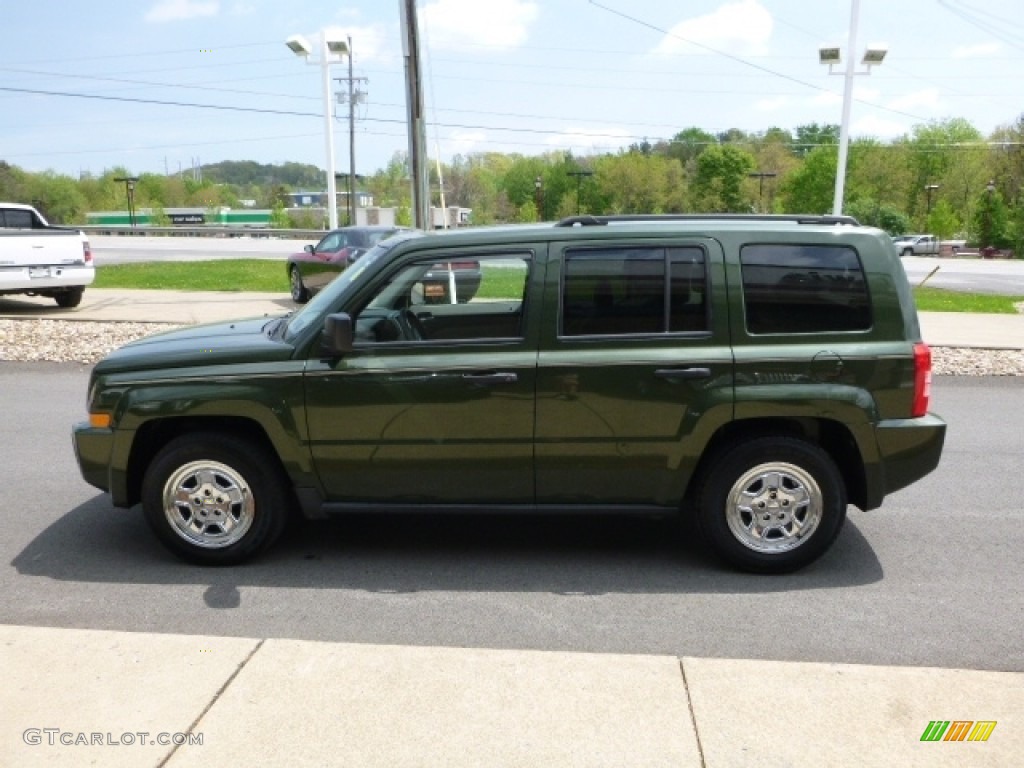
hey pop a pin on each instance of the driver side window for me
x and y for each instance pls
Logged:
(462, 299)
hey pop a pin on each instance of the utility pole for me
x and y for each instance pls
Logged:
(414, 108)
(353, 97)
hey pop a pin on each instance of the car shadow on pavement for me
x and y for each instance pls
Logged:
(579, 555)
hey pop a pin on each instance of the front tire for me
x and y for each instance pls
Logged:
(215, 499)
(300, 293)
(772, 505)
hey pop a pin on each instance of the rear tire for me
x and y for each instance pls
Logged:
(70, 298)
(215, 499)
(772, 505)
(300, 293)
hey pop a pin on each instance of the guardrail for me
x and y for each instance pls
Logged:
(257, 232)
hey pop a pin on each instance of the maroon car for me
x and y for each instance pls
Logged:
(318, 264)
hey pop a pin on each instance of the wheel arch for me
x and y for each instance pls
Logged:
(834, 437)
(155, 434)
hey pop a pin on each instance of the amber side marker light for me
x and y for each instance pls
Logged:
(99, 420)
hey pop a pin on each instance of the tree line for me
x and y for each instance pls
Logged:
(944, 177)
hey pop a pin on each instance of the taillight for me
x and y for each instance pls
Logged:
(87, 252)
(922, 379)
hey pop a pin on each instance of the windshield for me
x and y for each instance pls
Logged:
(318, 305)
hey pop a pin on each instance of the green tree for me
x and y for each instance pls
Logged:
(722, 174)
(990, 224)
(811, 136)
(943, 221)
(279, 218)
(811, 187)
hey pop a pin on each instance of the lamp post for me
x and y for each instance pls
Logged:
(129, 188)
(990, 188)
(761, 176)
(301, 47)
(538, 197)
(928, 190)
(832, 55)
(579, 181)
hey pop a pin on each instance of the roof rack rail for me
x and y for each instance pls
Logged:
(798, 218)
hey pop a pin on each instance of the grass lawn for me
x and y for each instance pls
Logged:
(269, 276)
(939, 300)
(221, 275)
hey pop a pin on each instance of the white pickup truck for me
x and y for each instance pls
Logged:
(40, 260)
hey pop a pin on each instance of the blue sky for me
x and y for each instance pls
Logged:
(527, 76)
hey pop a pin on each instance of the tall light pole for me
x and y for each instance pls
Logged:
(538, 193)
(301, 47)
(875, 54)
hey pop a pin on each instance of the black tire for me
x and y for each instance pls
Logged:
(300, 293)
(796, 491)
(241, 504)
(70, 298)
(907, 252)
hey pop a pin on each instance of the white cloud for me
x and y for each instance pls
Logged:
(980, 51)
(590, 138)
(771, 105)
(501, 24)
(463, 142)
(745, 25)
(180, 10)
(827, 99)
(926, 99)
(879, 128)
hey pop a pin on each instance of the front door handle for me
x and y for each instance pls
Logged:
(490, 379)
(674, 374)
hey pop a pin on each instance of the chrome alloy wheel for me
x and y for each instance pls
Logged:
(208, 504)
(774, 507)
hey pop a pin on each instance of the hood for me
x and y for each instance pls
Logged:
(238, 341)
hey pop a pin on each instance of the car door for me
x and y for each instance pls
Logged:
(322, 267)
(435, 404)
(635, 370)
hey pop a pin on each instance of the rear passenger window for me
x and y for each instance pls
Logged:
(804, 289)
(628, 291)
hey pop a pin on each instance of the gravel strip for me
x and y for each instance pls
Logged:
(62, 341)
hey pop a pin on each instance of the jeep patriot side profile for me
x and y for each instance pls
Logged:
(758, 372)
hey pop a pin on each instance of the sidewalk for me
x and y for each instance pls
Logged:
(294, 703)
(940, 329)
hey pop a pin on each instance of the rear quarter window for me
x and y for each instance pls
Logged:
(804, 289)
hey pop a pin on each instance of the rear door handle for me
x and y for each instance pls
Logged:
(674, 374)
(490, 379)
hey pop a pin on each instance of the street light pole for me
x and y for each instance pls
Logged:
(844, 125)
(129, 190)
(301, 47)
(928, 190)
(538, 187)
(831, 56)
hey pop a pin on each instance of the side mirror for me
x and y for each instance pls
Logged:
(307, 248)
(337, 337)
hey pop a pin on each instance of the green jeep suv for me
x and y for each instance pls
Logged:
(760, 373)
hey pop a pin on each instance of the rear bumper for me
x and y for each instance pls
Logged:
(44, 278)
(908, 449)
